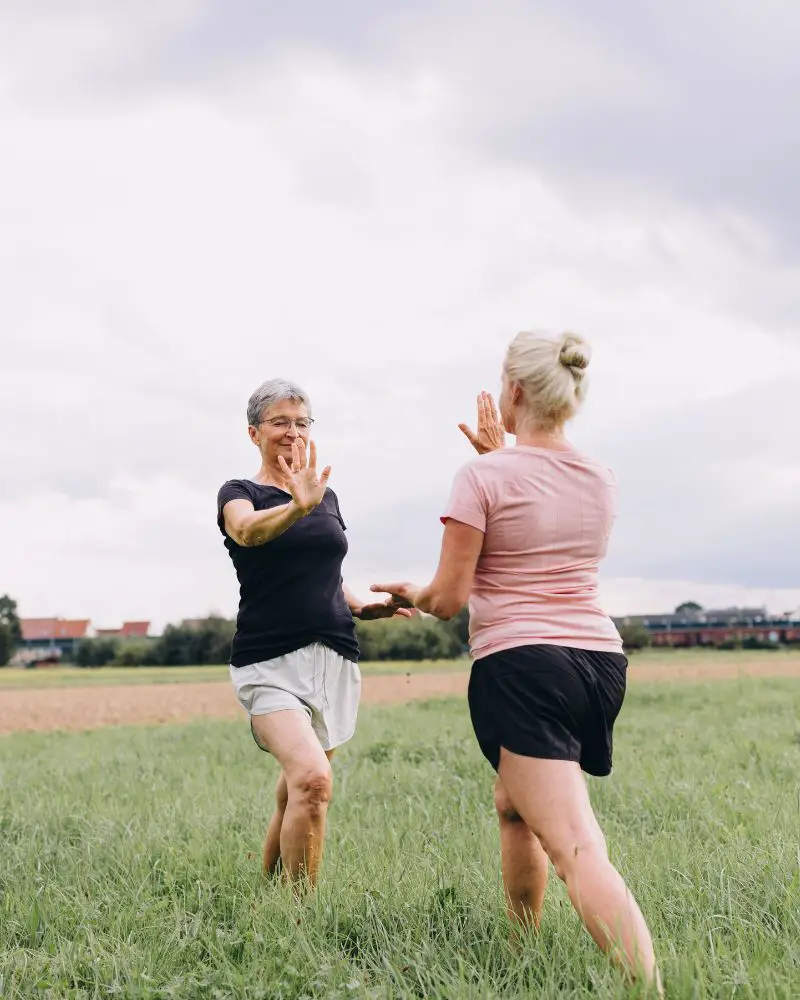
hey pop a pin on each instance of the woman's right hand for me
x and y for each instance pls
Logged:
(491, 434)
(307, 489)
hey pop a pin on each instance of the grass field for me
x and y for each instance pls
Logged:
(130, 860)
(68, 676)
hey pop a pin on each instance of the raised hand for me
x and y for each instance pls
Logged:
(307, 489)
(491, 434)
(401, 594)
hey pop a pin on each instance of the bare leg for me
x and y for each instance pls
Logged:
(552, 798)
(524, 863)
(272, 842)
(300, 833)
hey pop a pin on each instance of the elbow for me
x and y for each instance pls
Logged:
(443, 607)
(245, 537)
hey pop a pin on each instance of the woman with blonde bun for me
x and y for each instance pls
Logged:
(525, 531)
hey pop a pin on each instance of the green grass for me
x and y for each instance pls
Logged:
(67, 676)
(13, 678)
(658, 657)
(129, 863)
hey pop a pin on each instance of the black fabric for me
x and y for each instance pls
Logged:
(552, 702)
(290, 589)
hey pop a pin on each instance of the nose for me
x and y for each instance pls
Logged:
(292, 432)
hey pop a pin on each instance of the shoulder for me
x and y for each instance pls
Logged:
(599, 469)
(488, 468)
(235, 489)
(330, 502)
(475, 478)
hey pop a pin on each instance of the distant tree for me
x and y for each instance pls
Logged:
(689, 608)
(459, 626)
(421, 638)
(634, 637)
(96, 652)
(10, 629)
(207, 642)
(142, 653)
(5, 645)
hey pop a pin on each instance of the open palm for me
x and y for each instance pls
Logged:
(306, 487)
(490, 434)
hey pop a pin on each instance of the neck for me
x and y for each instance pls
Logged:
(534, 437)
(270, 474)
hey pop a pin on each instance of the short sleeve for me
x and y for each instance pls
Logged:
(336, 508)
(468, 501)
(234, 489)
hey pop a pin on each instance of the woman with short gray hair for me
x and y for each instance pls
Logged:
(294, 657)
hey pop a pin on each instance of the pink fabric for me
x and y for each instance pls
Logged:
(547, 517)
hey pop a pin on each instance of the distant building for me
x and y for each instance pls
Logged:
(717, 627)
(128, 630)
(193, 624)
(50, 639)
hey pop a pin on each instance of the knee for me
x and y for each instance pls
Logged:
(312, 787)
(505, 810)
(573, 848)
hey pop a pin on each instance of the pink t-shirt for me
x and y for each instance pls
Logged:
(547, 518)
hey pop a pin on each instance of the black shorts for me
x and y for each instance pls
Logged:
(552, 702)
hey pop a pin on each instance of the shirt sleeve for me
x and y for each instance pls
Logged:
(468, 501)
(234, 489)
(336, 506)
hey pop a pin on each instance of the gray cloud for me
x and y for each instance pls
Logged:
(640, 100)
(708, 492)
(623, 104)
(374, 242)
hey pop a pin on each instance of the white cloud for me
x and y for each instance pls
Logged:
(315, 217)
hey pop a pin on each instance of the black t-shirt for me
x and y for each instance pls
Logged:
(290, 589)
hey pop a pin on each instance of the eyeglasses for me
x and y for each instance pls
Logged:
(284, 423)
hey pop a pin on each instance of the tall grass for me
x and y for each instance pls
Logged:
(129, 863)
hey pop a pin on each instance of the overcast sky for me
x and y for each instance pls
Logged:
(371, 199)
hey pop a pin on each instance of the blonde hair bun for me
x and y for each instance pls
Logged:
(551, 373)
(574, 354)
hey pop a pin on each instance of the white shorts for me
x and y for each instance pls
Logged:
(314, 680)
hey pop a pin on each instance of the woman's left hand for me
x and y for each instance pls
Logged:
(385, 609)
(402, 594)
(491, 434)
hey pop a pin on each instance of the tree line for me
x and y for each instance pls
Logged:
(208, 641)
(10, 629)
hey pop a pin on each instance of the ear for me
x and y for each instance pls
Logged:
(516, 393)
(254, 435)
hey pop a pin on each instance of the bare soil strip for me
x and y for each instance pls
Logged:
(92, 707)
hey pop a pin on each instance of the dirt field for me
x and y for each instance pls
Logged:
(91, 707)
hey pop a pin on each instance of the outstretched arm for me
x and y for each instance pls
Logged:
(247, 526)
(375, 609)
(450, 588)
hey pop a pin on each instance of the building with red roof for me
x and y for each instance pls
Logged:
(51, 638)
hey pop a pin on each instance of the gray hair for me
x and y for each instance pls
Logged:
(273, 391)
